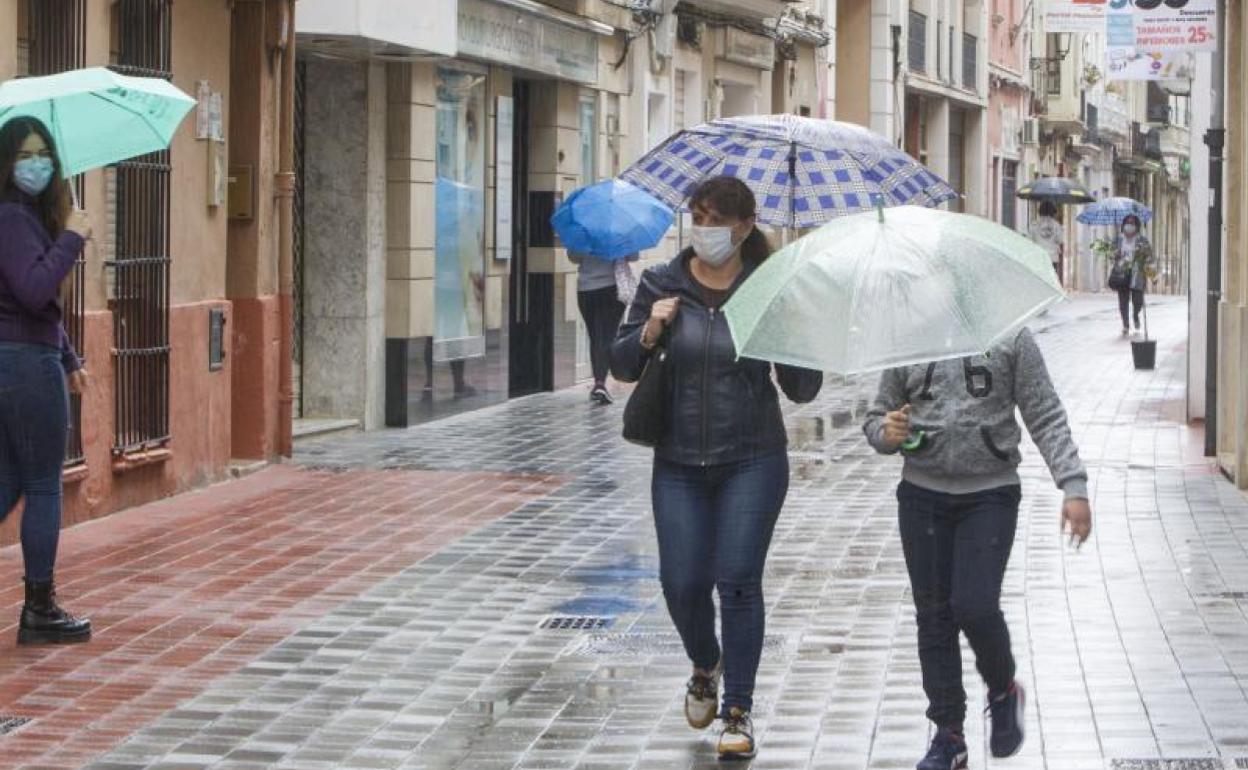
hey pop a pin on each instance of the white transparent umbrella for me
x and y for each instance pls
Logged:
(889, 288)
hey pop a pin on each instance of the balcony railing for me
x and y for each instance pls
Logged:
(917, 44)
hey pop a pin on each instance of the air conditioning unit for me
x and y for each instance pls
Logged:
(1031, 131)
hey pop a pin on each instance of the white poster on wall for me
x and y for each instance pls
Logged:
(1186, 25)
(1079, 16)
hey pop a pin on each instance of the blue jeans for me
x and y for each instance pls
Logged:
(714, 528)
(957, 548)
(34, 418)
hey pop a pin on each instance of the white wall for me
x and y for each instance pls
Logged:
(1199, 198)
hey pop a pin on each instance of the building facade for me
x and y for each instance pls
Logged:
(435, 148)
(1232, 365)
(174, 304)
(926, 86)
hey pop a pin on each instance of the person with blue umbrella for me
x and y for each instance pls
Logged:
(41, 237)
(604, 227)
(1133, 266)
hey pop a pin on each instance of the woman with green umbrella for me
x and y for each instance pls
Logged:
(40, 240)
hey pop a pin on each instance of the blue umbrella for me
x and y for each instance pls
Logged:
(803, 171)
(611, 220)
(1112, 211)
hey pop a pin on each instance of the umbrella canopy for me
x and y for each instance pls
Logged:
(97, 116)
(909, 285)
(803, 171)
(1055, 189)
(1112, 211)
(611, 220)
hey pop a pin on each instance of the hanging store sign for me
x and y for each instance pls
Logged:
(1130, 64)
(506, 35)
(1080, 16)
(1174, 25)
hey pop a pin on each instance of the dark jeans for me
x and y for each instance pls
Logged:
(1129, 299)
(957, 548)
(714, 526)
(34, 418)
(602, 311)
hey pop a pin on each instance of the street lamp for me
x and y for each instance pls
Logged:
(1059, 51)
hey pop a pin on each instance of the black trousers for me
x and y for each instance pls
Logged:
(602, 311)
(1129, 299)
(957, 548)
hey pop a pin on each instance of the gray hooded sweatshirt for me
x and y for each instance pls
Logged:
(966, 407)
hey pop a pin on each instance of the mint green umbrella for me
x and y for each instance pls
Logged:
(899, 286)
(97, 116)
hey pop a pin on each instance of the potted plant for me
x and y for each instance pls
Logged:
(1144, 352)
(1091, 75)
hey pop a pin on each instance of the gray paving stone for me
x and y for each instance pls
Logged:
(1135, 648)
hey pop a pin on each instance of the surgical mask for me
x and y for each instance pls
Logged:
(32, 175)
(1128, 229)
(713, 245)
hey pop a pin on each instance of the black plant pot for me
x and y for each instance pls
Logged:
(1144, 353)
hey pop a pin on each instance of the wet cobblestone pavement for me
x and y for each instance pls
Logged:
(536, 637)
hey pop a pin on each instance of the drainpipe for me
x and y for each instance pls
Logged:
(284, 197)
(1215, 138)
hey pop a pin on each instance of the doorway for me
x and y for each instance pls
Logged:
(531, 295)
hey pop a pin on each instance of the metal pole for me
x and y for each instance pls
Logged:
(1215, 138)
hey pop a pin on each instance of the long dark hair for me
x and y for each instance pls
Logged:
(731, 197)
(52, 205)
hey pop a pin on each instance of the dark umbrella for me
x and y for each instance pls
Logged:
(1055, 189)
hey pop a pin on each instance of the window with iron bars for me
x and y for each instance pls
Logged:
(141, 261)
(970, 62)
(916, 47)
(56, 36)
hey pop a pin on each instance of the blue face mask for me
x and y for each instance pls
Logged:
(32, 175)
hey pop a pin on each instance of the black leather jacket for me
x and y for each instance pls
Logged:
(724, 409)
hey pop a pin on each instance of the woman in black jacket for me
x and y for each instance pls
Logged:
(721, 473)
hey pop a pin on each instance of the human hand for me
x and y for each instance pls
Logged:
(662, 313)
(897, 428)
(79, 381)
(79, 223)
(1077, 518)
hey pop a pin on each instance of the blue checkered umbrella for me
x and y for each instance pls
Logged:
(1112, 211)
(803, 171)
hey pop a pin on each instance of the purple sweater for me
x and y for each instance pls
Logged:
(32, 266)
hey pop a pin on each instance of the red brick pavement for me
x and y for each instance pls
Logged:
(187, 590)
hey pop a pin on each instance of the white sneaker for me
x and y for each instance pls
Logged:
(702, 697)
(737, 739)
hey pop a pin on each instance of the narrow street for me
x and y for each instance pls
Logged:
(481, 593)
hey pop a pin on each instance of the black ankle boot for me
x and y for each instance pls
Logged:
(44, 622)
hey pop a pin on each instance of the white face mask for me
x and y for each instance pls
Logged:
(713, 245)
(1128, 229)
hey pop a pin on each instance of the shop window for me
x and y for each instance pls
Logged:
(459, 241)
(589, 138)
(140, 299)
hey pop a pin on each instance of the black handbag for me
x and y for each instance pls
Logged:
(647, 411)
(1120, 276)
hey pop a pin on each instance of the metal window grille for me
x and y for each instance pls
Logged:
(916, 45)
(57, 36)
(142, 260)
(970, 62)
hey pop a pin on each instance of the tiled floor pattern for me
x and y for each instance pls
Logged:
(1135, 649)
(186, 591)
